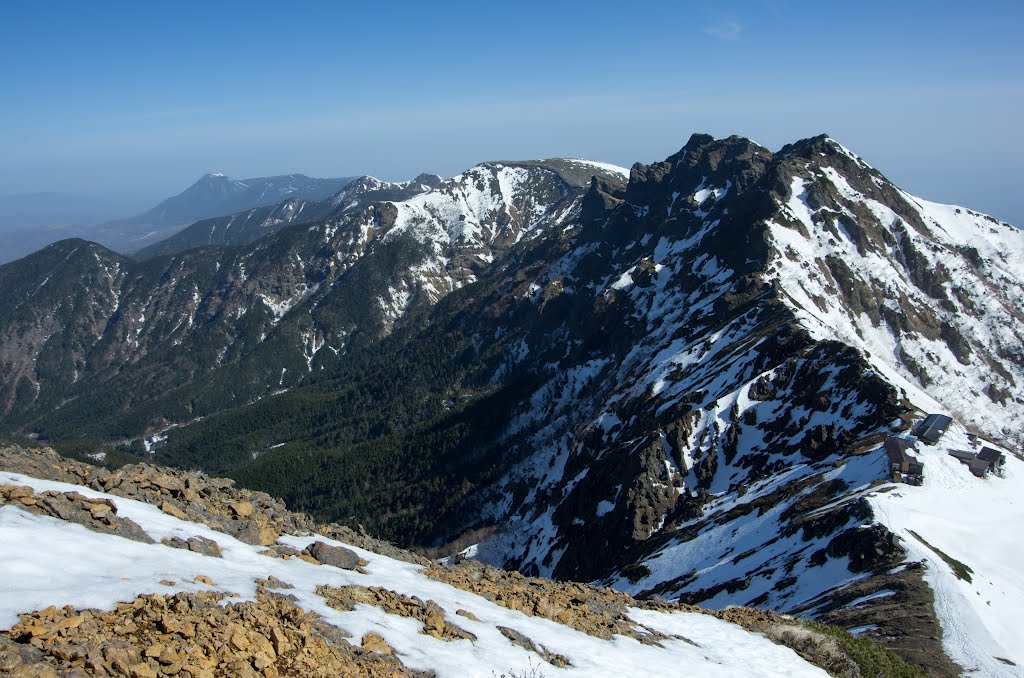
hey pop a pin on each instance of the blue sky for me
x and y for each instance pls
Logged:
(139, 99)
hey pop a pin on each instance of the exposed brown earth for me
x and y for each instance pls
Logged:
(602, 612)
(192, 634)
(598, 612)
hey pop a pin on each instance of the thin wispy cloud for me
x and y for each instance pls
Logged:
(727, 30)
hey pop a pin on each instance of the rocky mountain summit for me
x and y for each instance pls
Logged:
(150, 610)
(677, 380)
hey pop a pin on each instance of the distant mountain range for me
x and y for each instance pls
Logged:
(30, 222)
(246, 226)
(676, 379)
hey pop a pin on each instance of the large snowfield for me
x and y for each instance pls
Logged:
(46, 562)
(980, 523)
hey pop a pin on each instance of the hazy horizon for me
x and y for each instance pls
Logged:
(138, 102)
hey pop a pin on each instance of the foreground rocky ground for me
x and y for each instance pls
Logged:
(367, 597)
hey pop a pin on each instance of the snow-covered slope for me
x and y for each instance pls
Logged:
(49, 562)
(931, 293)
(957, 518)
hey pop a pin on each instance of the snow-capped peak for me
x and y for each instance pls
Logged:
(607, 167)
(930, 293)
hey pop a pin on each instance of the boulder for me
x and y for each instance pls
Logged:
(338, 556)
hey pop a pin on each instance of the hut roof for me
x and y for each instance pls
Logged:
(989, 454)
(963, 455)
(978, 466)
(897, 450)
(933, 426)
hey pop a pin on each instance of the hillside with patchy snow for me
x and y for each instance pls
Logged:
(242, 228)
(215, 328)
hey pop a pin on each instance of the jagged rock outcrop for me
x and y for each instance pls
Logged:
(187, 495)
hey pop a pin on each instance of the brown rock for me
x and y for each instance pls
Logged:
(169, 483)
(279, 640)
(373, 642)
(242, 509)
(169, 624)
(37, 630)
(172, 510)
(70, 622)
(18, 491)
(141, 670)
(98, 510)
(429, 613)
(467, 614)
(238, 639)
(267, 535)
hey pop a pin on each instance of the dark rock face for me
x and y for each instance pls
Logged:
(869, 549)
(624, 476)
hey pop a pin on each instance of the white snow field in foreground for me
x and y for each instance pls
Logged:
(45, 561)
